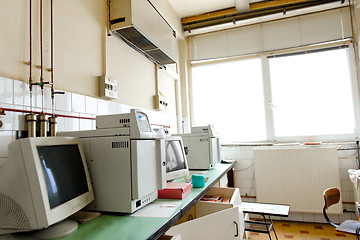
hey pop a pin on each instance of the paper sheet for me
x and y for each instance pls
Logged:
(157, 209)
(354, 176)
(258, 207)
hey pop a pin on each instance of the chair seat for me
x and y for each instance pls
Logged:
(348, 226)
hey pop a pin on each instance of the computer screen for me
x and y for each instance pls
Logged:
(45, 180)
(63, 172)
(176, 163)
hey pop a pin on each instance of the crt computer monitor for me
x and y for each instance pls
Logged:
(176, 163)
(43, 181)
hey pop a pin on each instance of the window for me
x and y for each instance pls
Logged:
(230, 96)
(310, 97)
(311, 94)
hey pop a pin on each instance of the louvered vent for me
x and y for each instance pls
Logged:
(124, 144)
(11, 214)
(143, 45)
(124, 120)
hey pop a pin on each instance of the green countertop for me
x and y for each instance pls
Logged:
(125, 227)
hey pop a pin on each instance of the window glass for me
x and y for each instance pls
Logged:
(311, 94)
(230, 96)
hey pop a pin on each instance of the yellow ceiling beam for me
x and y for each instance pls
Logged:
(274, 3)
(230, 11)
(205, 16)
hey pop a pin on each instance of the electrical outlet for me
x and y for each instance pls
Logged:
(107, 87)
(159, 102)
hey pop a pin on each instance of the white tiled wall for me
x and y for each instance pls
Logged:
(7, 89)
(245, 180)
(5, 137)
(16, 95)
(78, 103)
(63, 102)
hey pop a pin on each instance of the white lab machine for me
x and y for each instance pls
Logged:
(202, 147)
(126, 161)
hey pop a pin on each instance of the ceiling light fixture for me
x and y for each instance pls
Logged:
(242, 5)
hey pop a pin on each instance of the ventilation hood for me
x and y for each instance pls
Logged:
(142, 26)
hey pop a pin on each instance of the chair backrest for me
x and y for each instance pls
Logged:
(331, 196)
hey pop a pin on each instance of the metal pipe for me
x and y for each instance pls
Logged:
(30, 118)
(31, 124)
(41, 56)
(41, 121)
(42, 97)
(52, 60)
(108, 20)
(52, 120)
(157, 79)
(52, 125)
(41, 41)
(30, 47)
(357, 153)
(63, 115)
(58, 115)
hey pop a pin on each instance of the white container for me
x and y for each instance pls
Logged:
(219, 220)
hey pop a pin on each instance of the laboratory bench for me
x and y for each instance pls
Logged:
(124, 226)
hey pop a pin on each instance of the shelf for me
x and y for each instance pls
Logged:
(256, 226)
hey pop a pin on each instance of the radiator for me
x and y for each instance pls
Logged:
(297, 176)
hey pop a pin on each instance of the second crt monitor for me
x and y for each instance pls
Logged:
(202, 147)
(176, 163)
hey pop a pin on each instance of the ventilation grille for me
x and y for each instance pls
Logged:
(124, 120)
(11, 214)
(142, 44)
(124, 144)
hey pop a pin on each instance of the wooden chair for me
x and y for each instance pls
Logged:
(331, 197)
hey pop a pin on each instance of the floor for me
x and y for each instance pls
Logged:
(302, 231)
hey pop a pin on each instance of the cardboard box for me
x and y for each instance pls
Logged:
(175, 190)
(204, 207)
(168, 237)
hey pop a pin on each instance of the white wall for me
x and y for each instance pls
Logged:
(82, 50)
(78, 36)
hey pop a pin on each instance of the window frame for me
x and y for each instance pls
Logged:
(269, 120)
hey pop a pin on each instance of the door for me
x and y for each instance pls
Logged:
(214, 150)
(224, 225)
(197, 152)
(144, 166)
